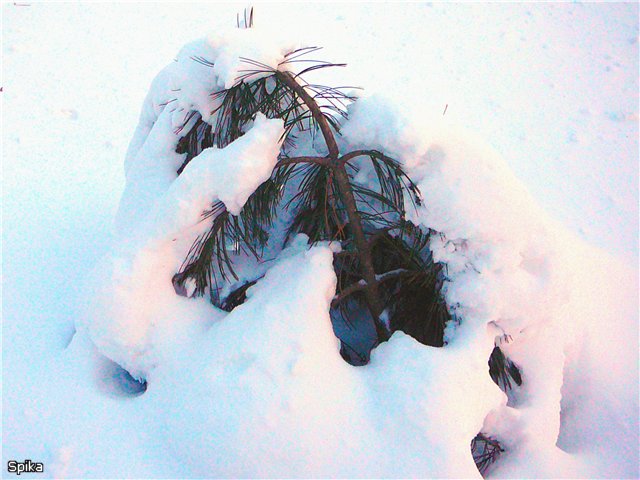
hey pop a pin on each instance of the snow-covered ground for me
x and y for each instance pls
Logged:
(467, 96)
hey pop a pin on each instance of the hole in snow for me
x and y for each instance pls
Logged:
(116, 381)
(237, 296)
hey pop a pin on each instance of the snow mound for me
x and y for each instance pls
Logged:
(511, 265)
(263, 392)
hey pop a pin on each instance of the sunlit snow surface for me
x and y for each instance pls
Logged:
(550, 92)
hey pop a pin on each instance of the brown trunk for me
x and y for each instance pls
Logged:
(337, 166)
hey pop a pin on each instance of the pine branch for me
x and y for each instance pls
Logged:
(503, 371)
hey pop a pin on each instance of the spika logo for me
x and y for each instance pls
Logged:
(13, 466)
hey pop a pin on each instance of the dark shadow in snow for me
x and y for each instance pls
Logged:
(115, 381)
(357, 335)
(69, 337)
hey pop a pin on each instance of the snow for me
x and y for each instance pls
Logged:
(186, 84)
(546, 255)
(233, 173)
(134, 298)
(512, 266)
(260, 45)
(264, 384)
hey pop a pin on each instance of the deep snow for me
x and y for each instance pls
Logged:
(552, 87)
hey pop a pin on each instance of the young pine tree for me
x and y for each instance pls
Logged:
(384, 271)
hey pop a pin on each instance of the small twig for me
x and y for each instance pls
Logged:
(361, 284)
(398, 272)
